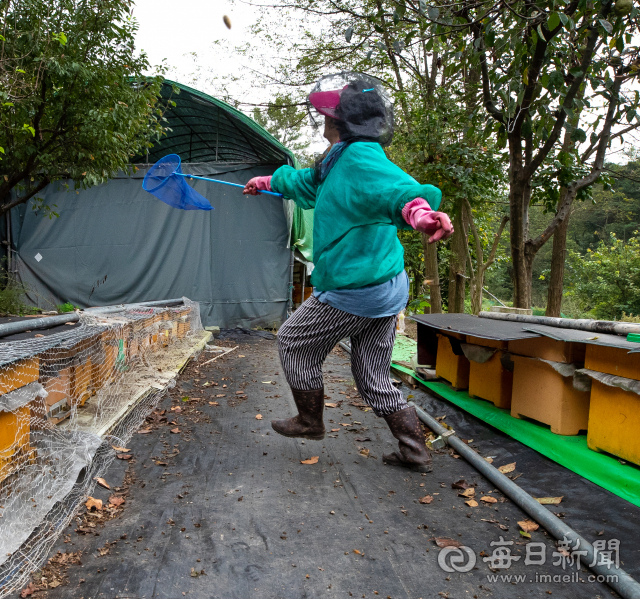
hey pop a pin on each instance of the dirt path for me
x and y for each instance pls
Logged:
(224, 508)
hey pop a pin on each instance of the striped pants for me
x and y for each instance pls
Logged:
(305, 340)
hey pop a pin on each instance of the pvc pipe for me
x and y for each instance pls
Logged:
(595, 326)
(625, 586)
(47, 322)
(271, 193)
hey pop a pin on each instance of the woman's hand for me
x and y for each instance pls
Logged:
(419, 215)
(256, 185)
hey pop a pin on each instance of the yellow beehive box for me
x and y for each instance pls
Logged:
(449, 366)
(15, 449)
(613, 360)
(549, 349)
(543, 394)
(614, 422)
(491, 381)
(18, 374)
(183, 329)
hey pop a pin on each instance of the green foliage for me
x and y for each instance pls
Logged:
(74, 101)
(606, 281)
(285, 119)
(419, 305)
(12, 294)
(66, 307)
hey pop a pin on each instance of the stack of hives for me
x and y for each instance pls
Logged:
(570, 380)
(43, 380)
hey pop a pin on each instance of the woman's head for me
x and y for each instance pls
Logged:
(356, 105)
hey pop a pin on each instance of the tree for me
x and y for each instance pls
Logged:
(606, 281)
(541, 63)
(74, 103)
(285, 119)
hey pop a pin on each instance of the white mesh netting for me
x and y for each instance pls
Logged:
(65, 400)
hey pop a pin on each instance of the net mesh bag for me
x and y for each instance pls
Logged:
(364, 110)
(66, 400)
(163, 182)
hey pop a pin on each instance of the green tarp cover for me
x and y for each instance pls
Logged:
(571, 452)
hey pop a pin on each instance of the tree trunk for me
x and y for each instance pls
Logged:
(556, 278)
(458, 262)
(431, 274)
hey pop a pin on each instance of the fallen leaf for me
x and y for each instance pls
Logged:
(357, 552)
(240, 498)
(161, 463)
(312, 460)
(490, 460)
(38, 335)
(332, 513)
(221, 395)
(507, 468)
(467, 493)
(116, 501)
(443, 542)
(28, 590)
(121, 449)
(240, 356)
(361, 439)
(93, 503)
(144, 431)
(214, 403)
(176, 409)
(331, 405)
(364, 452)
(472, 503)
(258, 416)
(54, 584)
(72, 323)
(239, 392)
(102, 482)
(525, 534)
(175, 431)
(461, 484)
(488, 499)
(528, 525)
(549, 500)
(124, 456)
(344, 423)
(426, 499)
(104, 550)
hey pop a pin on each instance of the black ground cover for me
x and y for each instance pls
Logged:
(235, 514)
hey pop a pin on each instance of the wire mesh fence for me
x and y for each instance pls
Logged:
(66, 400)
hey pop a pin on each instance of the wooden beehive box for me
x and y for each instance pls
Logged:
(543, 394)
(614, 422)
(566, 352)
(491, 380)
(450, 365)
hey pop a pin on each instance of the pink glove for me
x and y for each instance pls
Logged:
(256, 185)
(419, 215)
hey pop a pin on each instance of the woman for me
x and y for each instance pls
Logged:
(360, 200)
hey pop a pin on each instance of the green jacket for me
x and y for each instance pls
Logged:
(358, 209)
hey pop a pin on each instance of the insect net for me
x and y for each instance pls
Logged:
(164, 181)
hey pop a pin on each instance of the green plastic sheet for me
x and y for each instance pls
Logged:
(602, 469)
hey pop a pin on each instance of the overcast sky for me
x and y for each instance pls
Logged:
(170, 30)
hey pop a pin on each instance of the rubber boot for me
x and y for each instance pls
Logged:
(413, 454)
(308, 423)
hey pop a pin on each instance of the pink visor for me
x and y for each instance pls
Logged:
(326, 102)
